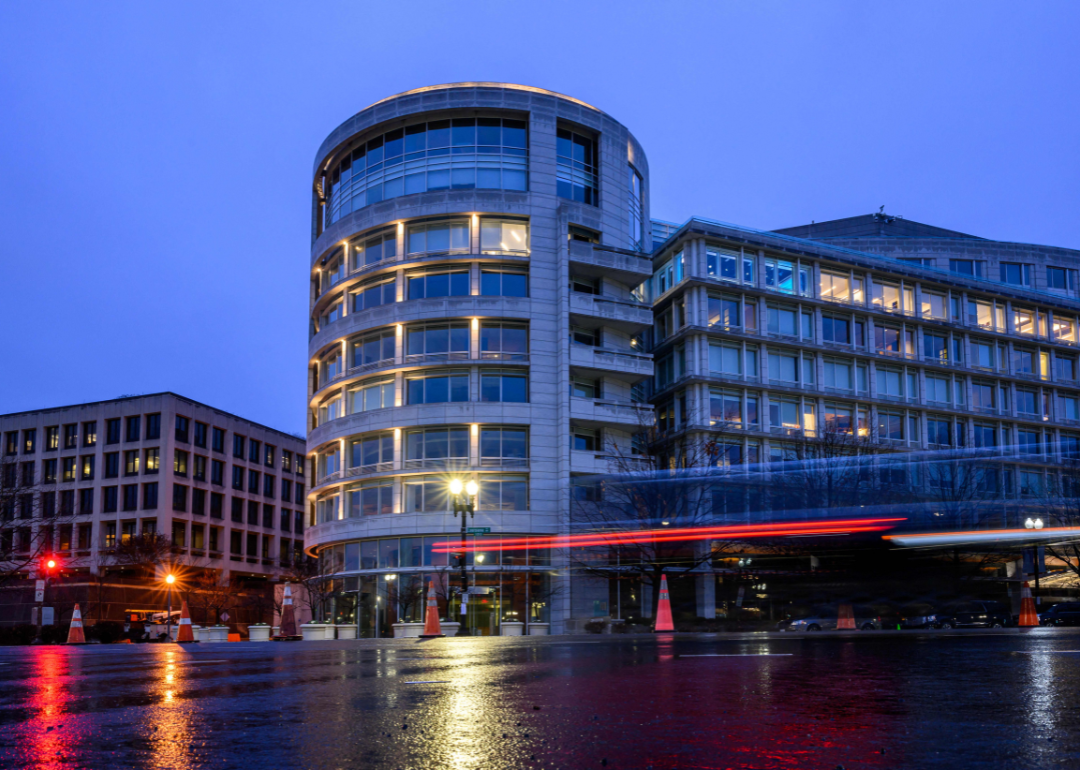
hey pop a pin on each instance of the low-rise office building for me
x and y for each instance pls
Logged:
(227, 492)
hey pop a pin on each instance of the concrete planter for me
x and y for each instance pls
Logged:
(217, 633)
(512, 628)
(407, 630)
(450, 627)
(259, 633)
(315, 632)
(539, 629)
(347, 631)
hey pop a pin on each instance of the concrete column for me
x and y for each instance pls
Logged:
(706, 596)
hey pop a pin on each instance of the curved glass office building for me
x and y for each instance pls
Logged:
(475, 249)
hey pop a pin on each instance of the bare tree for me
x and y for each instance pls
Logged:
(670, 484)
(211, 592)
(316, 577)
(1060, 507)
(144, 553)
(28, 528)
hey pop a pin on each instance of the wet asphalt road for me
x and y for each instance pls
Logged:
(872, 700)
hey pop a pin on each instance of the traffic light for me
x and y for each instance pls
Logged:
(50, 564)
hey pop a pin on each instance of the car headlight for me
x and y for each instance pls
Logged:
(798, 622)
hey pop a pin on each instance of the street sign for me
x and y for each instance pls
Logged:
(225, 617)
(479, 530)
(47, 616)
(39, 595)
(39, 585)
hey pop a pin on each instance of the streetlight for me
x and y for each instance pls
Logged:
(465, 505)
(169, 580)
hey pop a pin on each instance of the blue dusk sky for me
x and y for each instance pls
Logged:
(155, 158)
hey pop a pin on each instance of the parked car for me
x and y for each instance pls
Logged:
(973, 614)
(1064, 614)
(825, 619)
(917, 615)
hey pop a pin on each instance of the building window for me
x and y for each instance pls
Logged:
(299, 499)
(71, 436)
(286, 490)
(1061, 278)
(253, 513)
(153, 460)
(198, 502)
(504, 386)
(268, 455)
(109, 497)
(48, 471)
(286, 521)
(504, 283)
(374, 350)
(153, 427)
(179, 497)
(217, 504)
(503, 236)
(217, 440)
(440, 388)
(200, 435)
(183, 425)
(286, 460)
(131, 497)
(969, 267)
(434, 448)
(253, 482)
(150, 496)
(237, 477)
(112, 431)
(52, 439)
(426, 495)
(133, 428)
(236, 543)
(267, 515)
(217, 472)
(255, 451)
(86, 501)
(370, 249)
(237, 511)
(441, 342)
(505, 342)
(180, 463)
(438, 238)
(86, 468)
(576, 167)
(199, 469)
(504, 447)
(268, 485)
(637, 222)
(29, 441)
(458, 154)
(68, 465)
(238, 446)
(374, 295)
(436, 284)
(503, 493)
(1015, 273)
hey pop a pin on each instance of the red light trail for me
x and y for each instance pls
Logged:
(783, 529)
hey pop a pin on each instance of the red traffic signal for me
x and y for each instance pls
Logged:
(50, 563)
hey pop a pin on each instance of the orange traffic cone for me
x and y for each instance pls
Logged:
(287, 629)
(1028, 616)
(75, 633)
(846, 618)
(432, 629)
(663, 608)
(183, 633)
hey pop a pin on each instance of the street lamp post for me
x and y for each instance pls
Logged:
(1036, 524)
(465, 505)
(169, 580)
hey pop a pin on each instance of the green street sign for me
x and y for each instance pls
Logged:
(479, 530)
